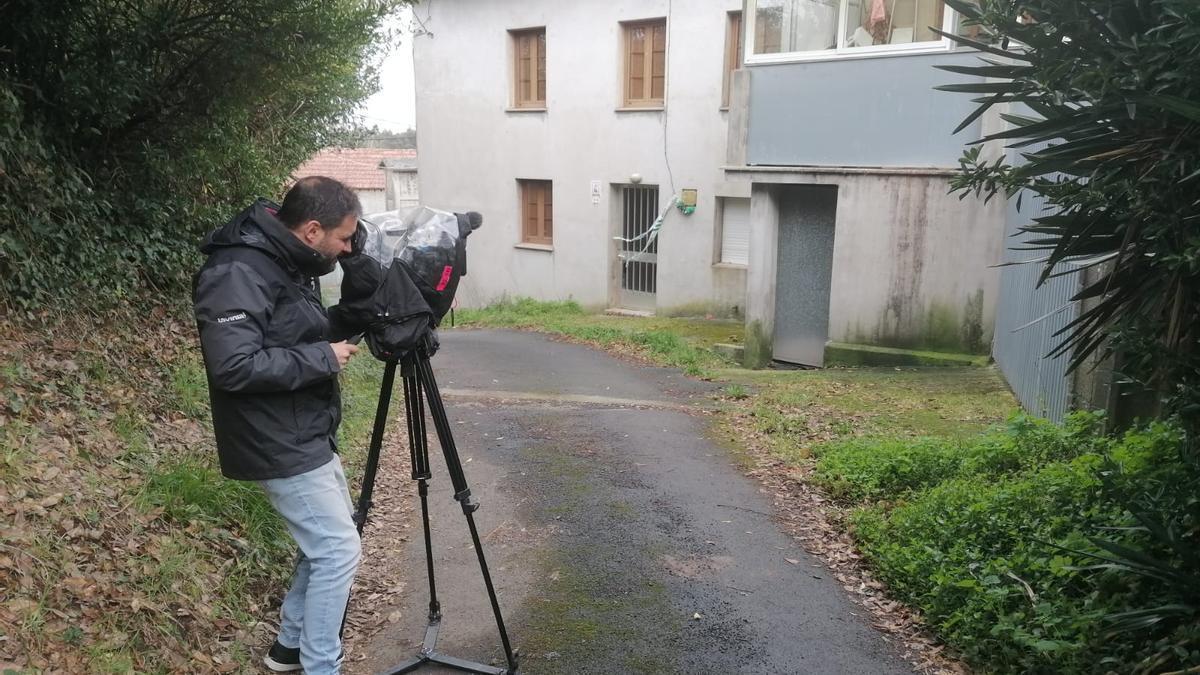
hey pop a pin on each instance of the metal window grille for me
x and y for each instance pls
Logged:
(639, 269)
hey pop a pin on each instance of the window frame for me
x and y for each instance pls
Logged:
(515, 37)
(626, 101)
(950, 21)
(735, 48)
(546, 187)
(719, 241)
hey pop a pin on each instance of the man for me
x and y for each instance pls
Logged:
(272, 367)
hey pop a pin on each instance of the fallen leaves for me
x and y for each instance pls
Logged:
(817, 523)
(87, 573)
(381, 580)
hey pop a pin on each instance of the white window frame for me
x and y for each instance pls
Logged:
(719, 243)
(750, 18)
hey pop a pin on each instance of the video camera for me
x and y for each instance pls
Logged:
(396, 291)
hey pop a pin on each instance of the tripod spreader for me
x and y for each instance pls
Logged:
(420, 387)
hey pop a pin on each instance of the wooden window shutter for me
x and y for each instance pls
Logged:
(537, 212)
(540, 43)
(658, 61)
(547, 212)
(529, 68)
(733, 54)
(645, 63)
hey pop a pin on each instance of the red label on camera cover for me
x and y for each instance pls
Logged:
(445, 278)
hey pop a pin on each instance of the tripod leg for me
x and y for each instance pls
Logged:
(372, 468)
(418, 446)
(462, 493)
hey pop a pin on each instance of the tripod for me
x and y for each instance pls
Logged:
(419, 385)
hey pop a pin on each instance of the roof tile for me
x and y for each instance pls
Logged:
(358, 168)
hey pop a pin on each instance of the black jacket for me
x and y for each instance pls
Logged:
(272, 376)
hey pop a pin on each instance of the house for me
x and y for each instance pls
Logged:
(781, 161)
(570, 124)
(383, 178)
(400, 182)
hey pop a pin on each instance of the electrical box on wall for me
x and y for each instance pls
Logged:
(687, 200)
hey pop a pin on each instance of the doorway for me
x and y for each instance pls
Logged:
(804, 273)
(638, 251)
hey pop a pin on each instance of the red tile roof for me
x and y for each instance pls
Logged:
(358, 168)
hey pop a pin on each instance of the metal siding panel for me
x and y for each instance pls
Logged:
(1027, 318)
(858, 112)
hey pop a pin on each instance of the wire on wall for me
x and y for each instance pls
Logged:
(420, 26)
(667, 108)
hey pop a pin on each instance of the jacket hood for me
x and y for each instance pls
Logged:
(257, 227)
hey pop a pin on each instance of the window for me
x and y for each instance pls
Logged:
(645, 63)
(735, 231)
(537, 212)
(529, 68)
(733, 53)
(825, 28)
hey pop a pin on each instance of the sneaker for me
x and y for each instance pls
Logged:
(282, 659)
(287, 659)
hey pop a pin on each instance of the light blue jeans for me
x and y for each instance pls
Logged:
(316, 507)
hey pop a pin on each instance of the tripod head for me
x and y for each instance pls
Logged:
(400, 278)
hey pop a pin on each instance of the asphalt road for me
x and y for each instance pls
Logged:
(622, 539)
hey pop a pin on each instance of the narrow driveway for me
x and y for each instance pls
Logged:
(622, 539)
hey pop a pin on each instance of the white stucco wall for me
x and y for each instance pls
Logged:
(372, 200)
(473, 150)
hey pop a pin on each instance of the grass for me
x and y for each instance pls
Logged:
(800, 410)
(796, 410)
(190, 387)
(680, 343)
(132, 552)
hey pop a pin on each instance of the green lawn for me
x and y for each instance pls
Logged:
(679, 343)
(797, 408)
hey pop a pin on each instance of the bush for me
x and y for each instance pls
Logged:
(859, 469)
(1001, 557)
(127, 130)
(1102, 101)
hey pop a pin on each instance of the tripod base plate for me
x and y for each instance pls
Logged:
(448, 661)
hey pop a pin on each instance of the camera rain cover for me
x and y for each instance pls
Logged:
(402, 275)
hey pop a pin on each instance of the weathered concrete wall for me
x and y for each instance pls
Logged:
(473, 149)
(729, 291)
(912, 265)
(761, 273)
(934, 285)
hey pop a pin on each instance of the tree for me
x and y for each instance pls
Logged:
(1103, 102)
(129, 128)
(374, 137)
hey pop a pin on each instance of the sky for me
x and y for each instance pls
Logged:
(394, 105)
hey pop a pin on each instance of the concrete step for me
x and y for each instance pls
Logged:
(617, 311)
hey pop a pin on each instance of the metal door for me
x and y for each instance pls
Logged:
(806, 219)
(638, 250)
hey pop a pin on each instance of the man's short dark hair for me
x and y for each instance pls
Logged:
(318, 198)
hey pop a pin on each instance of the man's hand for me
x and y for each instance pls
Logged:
(343, 350)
